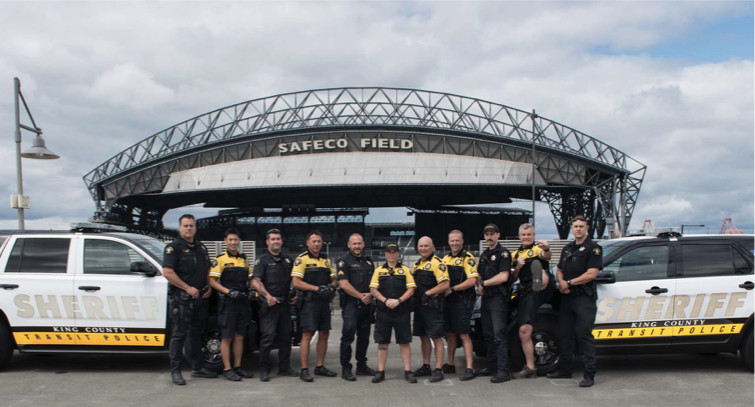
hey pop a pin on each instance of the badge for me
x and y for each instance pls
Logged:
(596, 251)
(288, 260)
(442, 267)
(427, 266)
(340, 264)
(214, 263)
(400, 271)
(256, 262)
(297, 262)
(581, 249)
(471, 262)
(492, 258)
(531, 253)
(168, 249)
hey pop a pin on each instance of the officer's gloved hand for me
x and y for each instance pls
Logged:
(425, 299)
(325, 292)
(234, 294)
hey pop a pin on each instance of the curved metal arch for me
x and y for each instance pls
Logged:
(363, 107)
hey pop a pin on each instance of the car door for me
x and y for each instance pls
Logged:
(36, 290)
(715, 296)
(118, 307)
(635, 293)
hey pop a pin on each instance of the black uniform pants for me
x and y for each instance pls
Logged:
(189, 318)
(356, 322)
(275, 328)
(576, 319)
(495, 315)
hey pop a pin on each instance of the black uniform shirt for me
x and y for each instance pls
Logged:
(190, 261)
(576, 259)
(274, 272)
(357, 270)
(493, 261)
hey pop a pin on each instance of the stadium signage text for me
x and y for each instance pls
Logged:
(365, 143)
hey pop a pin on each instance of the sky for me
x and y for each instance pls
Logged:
(669, 83)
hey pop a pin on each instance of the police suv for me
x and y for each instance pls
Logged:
(663, 294)
(81, 292)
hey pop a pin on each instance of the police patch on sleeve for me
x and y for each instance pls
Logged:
(256, 262)
(458, 262)
(442, 267)
(168, 249)
(596, 250)
(214, 262)
(297, 262)
(471, 262)
(427, 266)
(340, 263)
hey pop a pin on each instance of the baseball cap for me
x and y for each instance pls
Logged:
(491, 227)
(391, 246)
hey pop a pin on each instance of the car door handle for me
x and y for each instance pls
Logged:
(656, 290)
(748, 285)
(89, 288)
(14, 286)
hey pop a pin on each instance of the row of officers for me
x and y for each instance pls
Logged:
(441, 293)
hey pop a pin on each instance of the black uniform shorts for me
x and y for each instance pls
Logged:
(428, 322)
(315, 315)
(399, 322)
(531, 302)
(457, 317)
(234, 318)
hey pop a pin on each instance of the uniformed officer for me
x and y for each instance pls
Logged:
(580, 262)
(313, 275)
(272, 279)
(354, 273)
(460, 298)
(186, 265)
(230, 276)
(494, 268)
(392, 286)
(431, 278)
(536, 286)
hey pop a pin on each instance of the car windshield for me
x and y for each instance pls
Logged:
(154, 246)
(610, 246)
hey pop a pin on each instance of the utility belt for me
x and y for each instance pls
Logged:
(400, 309)
(589, 290)
(503, 290)
(344, 298)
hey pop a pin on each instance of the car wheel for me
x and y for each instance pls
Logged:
(7, 344)
(210, 352)
(545, 342)
(746, 351)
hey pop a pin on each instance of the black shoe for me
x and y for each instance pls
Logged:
(379, 377)
(451, 369)
(177, 378)
(324, 371)
(288, 373)
(410, 377)
(231, 375)
(265, 375)
(525, 373)
(243, 373)
(364, 370)
(537, 276)
(305, 376)
(423, 371)
(204, 373)
(437, 376)
(346, 375)
(588, 381)
(484, 372)
(468, 375)
(559, 375)
(500, 377)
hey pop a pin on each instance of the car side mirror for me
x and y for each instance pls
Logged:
(144, 268)
(606, 278)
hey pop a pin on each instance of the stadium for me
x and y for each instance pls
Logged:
(321, 158)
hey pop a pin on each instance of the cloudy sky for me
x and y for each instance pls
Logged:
(669, 83)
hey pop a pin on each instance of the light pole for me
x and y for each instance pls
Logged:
(37, 151)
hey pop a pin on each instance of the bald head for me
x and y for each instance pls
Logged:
(425, 247)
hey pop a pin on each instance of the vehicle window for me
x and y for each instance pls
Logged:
(642, 263)
(741, 266)
(155, 247)
(701, 260)
(108, 257)
(610, 246)
(39, 255)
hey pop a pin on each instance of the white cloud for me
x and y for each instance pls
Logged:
(127, 85)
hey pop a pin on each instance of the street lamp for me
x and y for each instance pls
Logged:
(37, 151)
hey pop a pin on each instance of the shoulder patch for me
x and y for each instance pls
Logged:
(400, 271)
(471, 262)
(505, 254)
(214, 262)
(427, 266)
(596, 250)
(340, 263)
(256, 262)
(168, 249)
(442, 267)
(297, 262)
(458, 262)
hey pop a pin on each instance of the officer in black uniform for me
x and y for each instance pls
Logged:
(354, 272)
(392, 286)
(313, 275)
(186, 265)
(272, 279)
(230, 276)
(580, 262)
(494, 268)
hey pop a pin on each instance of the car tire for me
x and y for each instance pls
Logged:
(746, 350)
(7, 344)
(546, 341)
